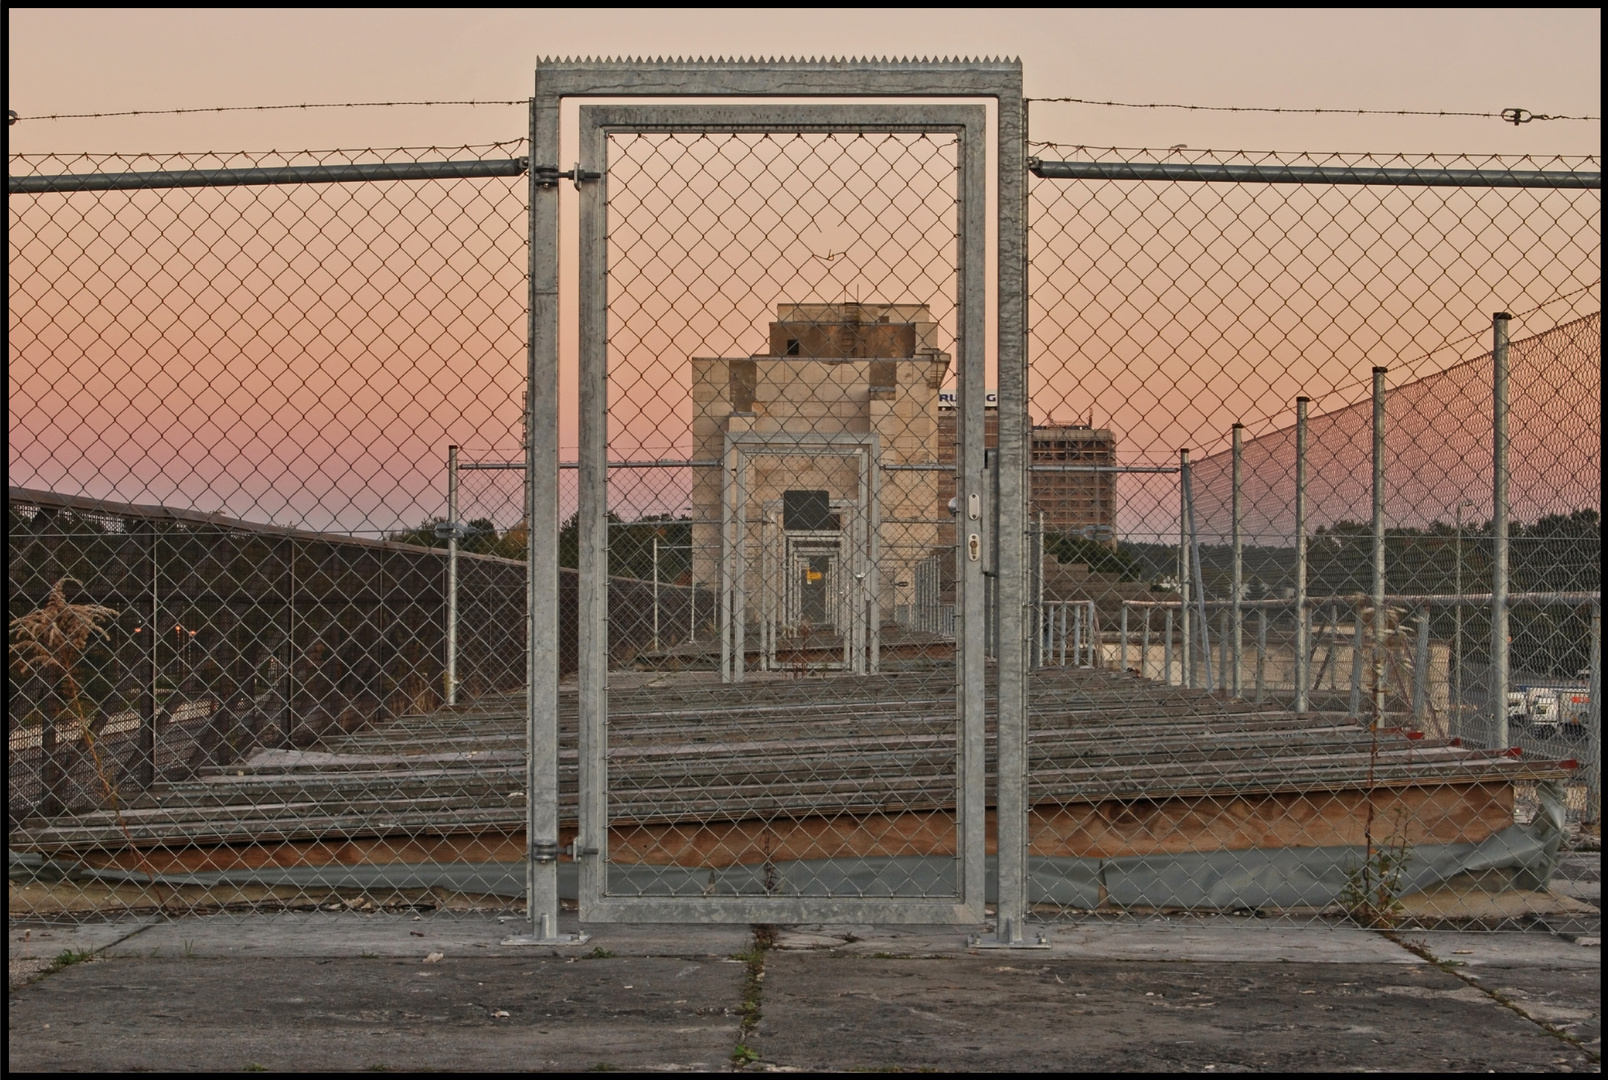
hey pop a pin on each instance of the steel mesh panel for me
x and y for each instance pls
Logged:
(231, 412)
(1173, 767)
(781, 324)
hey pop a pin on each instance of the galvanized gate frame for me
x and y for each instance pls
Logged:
(1000, 80)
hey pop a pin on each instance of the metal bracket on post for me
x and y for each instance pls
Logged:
(549, 175)
(547, 851)
(1002, 941)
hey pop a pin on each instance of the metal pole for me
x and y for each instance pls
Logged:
(1122, 662)
(1144, 646)
(1199, 578)
(1303, 649)
(1261, 653)
(1421, 670)
(1096, 645)
(1236, 614)
(656, 588)
(290, 641)
(1593, 810)
(541, 578)
(1223, 681)
(1356, 661)
(148, 667)
(1066, 616)
(1011, 477)
(1167, 658)
(452, 576)
(1456, 704)
(1499, 529)
(1378, 652)
(1039, 659)
(1186, 667)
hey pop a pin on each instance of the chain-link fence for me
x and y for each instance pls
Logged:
(274, 508)
(1294, 714)
(233, 380)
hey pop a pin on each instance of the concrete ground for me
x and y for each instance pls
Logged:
(385, 991)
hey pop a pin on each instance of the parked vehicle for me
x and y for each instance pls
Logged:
(1550, 710)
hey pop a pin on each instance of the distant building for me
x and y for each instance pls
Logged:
(819, 531)
(1074, 498)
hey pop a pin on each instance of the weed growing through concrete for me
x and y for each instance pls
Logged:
(1372, 896)
(598, 953)
(753, 993)
(68, 957)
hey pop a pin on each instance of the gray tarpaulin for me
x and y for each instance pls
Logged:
(1522, 856)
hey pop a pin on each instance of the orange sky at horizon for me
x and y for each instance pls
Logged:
(305, 355)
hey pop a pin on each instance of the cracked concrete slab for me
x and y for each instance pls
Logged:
(827, 1010)
(349, 990)
(283, 1013)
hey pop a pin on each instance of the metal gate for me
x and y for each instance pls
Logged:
(772, 300)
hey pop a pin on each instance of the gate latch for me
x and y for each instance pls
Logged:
(549, 176)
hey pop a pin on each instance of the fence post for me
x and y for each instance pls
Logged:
(1096, 639)
(1039, 659)
(1592, 814)
(290, 640)
(1224, 683)
(1499, 529)
(147, 773)
(656, 591)
(1421, 669)
(1167, 658)
(1186, 667)
(1122, 649)
(1378, 651)
(1303, 632)
(452, 576)
(1144, 646)
(1068, 616)
(1357, 645)
(1237, 614)
(1455, 702)
(1261, 653)
(1199, 580)
(541, 577)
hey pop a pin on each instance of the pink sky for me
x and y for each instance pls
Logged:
(362, 427)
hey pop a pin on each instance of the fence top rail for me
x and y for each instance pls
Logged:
(172, 515)
(278, 174)
(1312, 174)
(1419, 599)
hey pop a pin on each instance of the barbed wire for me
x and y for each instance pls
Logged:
(13, 118)
(1513, 116)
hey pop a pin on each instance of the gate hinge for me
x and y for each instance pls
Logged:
(543, 851)
(549, 176)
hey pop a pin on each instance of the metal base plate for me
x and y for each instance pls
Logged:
(558, 939)
(978, 941)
